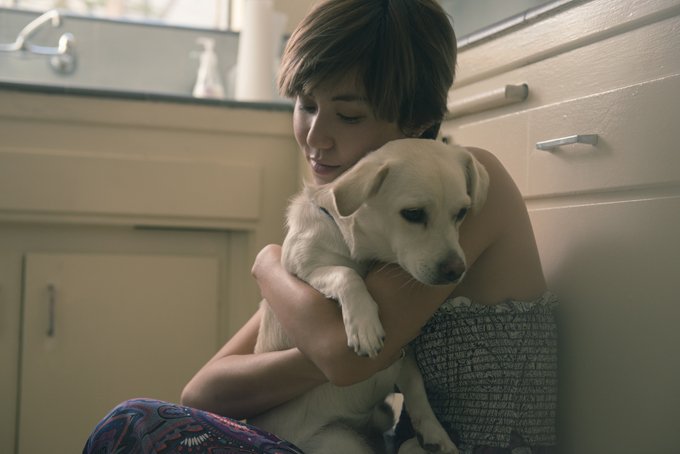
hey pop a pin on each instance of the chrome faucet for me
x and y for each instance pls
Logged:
(62, 57)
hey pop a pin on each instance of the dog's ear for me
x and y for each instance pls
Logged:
(477, 182)
(357, 185)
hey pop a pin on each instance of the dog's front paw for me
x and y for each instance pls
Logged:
(365, 333)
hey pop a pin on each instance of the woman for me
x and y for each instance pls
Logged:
(362, 73)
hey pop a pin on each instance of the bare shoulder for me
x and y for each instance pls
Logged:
(498, 175)
(498, 238)
(503, 202)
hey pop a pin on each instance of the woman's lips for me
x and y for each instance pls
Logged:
(322, 169)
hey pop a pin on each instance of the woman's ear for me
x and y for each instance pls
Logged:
(358, 184)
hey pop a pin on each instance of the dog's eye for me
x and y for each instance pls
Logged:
(414, 215)
(461, 214)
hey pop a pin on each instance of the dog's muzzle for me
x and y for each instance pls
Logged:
(450, 270)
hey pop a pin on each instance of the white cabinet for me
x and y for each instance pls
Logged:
(130, 228)
(606, 215)
(615, 266)
(134, 313)
(98, 329)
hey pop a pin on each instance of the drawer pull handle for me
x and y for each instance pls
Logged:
(51, 303)
(550, 145)
(503, 96)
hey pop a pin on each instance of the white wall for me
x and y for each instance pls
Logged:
(294, 9)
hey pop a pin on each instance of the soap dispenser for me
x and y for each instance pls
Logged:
(208, 83)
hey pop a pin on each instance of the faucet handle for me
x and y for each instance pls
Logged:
(29, 30)
(62, 58)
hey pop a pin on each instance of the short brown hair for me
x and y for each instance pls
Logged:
(404, 52)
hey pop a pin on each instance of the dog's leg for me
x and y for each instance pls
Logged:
(430, 433)
(337, 438)
(412, 446)
(365, 334)
(271, 335)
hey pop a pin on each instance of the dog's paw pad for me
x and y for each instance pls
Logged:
(366, 342)
(366, 354)
(361, 349)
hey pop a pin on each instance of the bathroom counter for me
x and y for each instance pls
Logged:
(282, 106)
(139, 110)
(168, 199)
(190, 190)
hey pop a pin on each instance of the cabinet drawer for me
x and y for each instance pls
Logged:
(637, 128)
(42, 182)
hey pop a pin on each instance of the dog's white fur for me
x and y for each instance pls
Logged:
(402, 203)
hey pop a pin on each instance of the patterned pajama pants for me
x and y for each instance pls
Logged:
(144, 426)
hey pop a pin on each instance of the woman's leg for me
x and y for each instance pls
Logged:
(143, 426)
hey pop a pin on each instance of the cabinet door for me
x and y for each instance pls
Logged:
(100, 329)
(615, 267)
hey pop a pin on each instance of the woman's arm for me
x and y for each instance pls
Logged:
(315, 325)
(240, 384)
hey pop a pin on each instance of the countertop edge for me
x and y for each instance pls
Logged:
(280, 106)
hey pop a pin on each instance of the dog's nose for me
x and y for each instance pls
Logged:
(451, 269)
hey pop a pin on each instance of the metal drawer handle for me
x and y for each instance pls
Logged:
(51, 303)
(578, 138)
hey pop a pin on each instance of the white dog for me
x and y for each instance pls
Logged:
(403, 204)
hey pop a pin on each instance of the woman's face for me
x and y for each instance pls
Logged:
(335, 127)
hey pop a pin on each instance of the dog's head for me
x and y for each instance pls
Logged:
(405, 202)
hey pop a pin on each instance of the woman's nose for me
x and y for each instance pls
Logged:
(319, 135)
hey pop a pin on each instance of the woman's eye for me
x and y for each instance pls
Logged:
(414, 215)
(309, 108)
(349, 118)
(306, 104)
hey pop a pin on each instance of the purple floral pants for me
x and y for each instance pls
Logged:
(143, 426)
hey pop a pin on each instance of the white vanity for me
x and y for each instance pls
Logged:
(127, 232)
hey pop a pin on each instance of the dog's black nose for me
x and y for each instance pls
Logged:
(451, 269)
